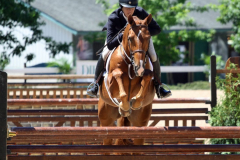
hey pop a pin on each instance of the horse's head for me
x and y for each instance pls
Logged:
(138, 42)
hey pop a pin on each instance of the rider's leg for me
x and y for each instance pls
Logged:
(157, 71)
(99, 68)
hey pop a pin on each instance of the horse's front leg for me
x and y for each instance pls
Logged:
(136, 102)
(107, 115)
(140, 118)
(124, 106)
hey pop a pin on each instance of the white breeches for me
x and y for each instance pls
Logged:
(151, 52)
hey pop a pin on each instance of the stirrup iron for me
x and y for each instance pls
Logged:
(91, 86)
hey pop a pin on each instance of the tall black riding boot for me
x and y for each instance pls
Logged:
(161, 92)
(93, 89)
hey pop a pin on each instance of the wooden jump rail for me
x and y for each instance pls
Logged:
(159, 151)
(135, 157)
(66, 84)
(124, 149)
(40, 93)
(83, 115)
(95, 101)
(50, 90)
(73, 76)
(94, 119)
(94, 112)
(90, 116)
(131, 132)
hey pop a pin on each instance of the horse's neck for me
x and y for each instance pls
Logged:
(125, 45)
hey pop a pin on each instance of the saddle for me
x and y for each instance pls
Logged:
(100, 77)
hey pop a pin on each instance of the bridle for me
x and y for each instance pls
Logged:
(131, 58)
(132, 52)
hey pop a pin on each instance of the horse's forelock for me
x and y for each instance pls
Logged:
(137, 20)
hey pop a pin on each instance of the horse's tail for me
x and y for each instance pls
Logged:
(123, 121)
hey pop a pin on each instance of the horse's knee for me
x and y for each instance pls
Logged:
(117, 73)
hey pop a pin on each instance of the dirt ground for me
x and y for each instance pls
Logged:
(206, 94)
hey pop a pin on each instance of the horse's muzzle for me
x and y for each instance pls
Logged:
(139, 70)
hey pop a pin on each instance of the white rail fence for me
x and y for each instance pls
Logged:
(164, 69)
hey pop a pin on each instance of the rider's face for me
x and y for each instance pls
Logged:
(128, 11)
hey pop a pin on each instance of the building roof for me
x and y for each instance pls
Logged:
(206, 20)
(86, 15)
(79, 15)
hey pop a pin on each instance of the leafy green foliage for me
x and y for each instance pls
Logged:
(62, 64)
(230, 13)
(227, 111)
(4, 61)
(105, 4)
(19, 13)
(168, 14)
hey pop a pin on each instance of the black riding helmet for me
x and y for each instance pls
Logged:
(128, 3)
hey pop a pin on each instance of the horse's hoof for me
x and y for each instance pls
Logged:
(124, 113)
(133, 102)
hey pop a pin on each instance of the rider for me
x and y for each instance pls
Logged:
(116, 21)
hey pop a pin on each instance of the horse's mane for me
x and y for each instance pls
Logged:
(125, 35)
(126, 31)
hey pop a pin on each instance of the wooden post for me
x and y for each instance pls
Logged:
(213, 82)
(25, 66)
(3, 115)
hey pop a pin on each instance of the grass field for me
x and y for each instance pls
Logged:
(198, 85)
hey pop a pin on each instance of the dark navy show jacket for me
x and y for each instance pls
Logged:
(116, 22)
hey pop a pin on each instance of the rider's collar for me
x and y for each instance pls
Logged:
(125, 17)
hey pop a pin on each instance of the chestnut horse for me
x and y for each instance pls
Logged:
(135, 95)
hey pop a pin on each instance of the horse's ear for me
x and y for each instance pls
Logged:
(148, 19)
(131, 20)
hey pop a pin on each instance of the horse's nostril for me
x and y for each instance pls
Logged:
(137, 67)
(136, 70)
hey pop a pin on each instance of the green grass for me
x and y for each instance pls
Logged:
(198, 85)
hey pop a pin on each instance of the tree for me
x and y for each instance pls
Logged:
(230, 13)
(169, 13)
(19, 13)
